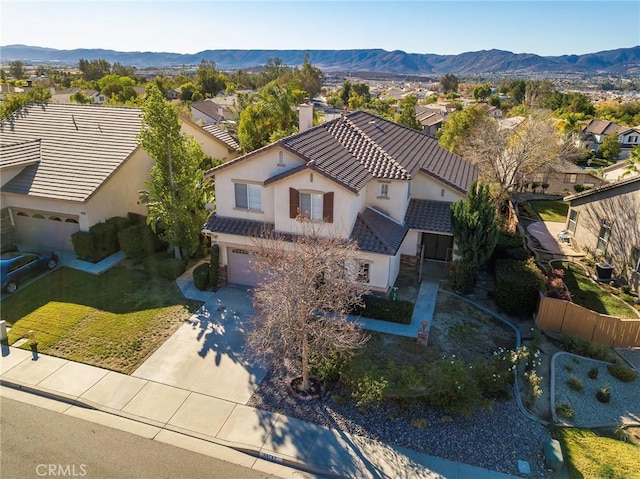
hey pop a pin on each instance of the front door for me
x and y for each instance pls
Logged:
(438, 247)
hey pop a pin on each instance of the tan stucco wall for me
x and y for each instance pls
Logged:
(210, 146)
(623, 210)
(119, 195)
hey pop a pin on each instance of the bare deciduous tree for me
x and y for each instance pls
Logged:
(308, 286)
(504, 156)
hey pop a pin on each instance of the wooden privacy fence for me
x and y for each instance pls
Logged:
(565, 317)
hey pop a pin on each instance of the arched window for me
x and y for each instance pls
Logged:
(38, 216)
(71, 220)
(54, 218)
(22, 213)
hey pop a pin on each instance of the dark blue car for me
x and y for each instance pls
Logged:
(16, 267)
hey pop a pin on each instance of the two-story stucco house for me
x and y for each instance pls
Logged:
(594, 133)
(387, 187)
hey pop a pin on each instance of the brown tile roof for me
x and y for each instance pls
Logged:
(223, 136)
(603, 127)
(375, 233)
(19, 154)
(429, 215)
(209, 108)
(236, 226)
(607, 187)
(81, 146)
(359, 146)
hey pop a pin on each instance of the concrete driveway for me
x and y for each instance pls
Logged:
(207, 353)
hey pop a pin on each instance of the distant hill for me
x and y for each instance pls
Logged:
(623, 60)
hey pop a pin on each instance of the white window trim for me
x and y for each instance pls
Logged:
(312, 194)
(601, 238)
(636, 268)
(257, 186)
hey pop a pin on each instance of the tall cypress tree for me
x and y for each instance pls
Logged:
(475, 228)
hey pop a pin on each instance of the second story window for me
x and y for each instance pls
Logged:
(311, 206)
(384, 190)
(248, 197)
(570, 178)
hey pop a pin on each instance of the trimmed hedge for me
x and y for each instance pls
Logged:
(120, 223)
(84, 245)
(138, 241)
(201, 276)
(386, 310)
(106, 239)
(214, 266)
(517, 285)
(166, 267)
(506, 243)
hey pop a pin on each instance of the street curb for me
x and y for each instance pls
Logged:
(251, 451)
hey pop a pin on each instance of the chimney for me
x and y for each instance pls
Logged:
(305, 116)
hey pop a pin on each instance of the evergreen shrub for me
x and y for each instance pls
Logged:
(517, 285)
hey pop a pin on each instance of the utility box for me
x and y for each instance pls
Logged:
(604, 272)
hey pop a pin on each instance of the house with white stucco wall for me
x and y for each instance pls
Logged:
(360, 177)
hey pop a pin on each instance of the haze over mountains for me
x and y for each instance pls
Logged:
(619, 61)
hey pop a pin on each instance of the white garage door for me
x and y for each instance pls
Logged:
(240, 267)
(45, 229)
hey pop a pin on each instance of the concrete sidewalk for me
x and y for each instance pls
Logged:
(277, 438)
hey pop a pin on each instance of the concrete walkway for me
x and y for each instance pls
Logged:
(423, 311)
(546, 232)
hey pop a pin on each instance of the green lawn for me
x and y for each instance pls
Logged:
(551, 210)
(587, 293)
(113, 321)
(590, 456)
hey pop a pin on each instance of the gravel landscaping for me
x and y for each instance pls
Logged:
(491, 438)
(624, 406)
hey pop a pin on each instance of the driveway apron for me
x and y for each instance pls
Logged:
(207, 354)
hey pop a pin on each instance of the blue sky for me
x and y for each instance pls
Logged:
(451, 27)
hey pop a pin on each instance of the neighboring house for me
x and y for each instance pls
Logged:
(173, 94)
(595, 132)
(66, 167)
(214, 141)
(604, 221)
(562, 176)
(6, 89)
(494, 112)
(64, 96)
(618, 171)
(387, 187)
(208, 111)
(431, 121)
(511, 123)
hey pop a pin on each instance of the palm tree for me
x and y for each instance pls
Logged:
(632, 164)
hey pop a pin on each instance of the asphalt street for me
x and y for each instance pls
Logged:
(36, 442)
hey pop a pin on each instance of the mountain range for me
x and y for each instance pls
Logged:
(625, 61)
